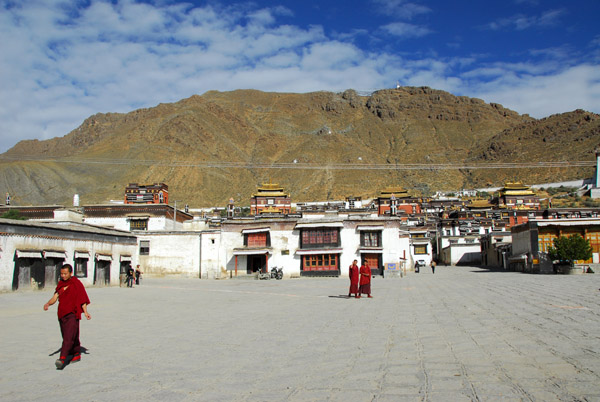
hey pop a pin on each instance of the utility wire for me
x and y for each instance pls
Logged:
(359, 165)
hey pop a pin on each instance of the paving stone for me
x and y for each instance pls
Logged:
(462, 334)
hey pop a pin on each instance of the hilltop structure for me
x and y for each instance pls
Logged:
(517, 196)
(157, 193)
(394, 199)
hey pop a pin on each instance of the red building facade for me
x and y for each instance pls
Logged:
(157, 193)
(270, 199)
(396, 199)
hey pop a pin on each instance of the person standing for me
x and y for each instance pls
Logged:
(130, 276)
(354, 275)
(433, 264)
(365, 280)
(72, 301)
(138, 272)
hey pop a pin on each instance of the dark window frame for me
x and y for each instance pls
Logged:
(320, 238)
(138, 224)
(419, 247)
(370, 238)
(144, 247)
(253, 239)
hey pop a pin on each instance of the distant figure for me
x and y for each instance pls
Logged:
(354, 275)
(138, 273)
(130, 275)
(365, 280)
(72, 301)
(433, 264)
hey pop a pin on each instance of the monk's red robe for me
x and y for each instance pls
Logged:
(71, 296)
(354, 274)
(365, 280)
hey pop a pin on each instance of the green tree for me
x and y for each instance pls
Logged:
(13, 214)
(569, 249)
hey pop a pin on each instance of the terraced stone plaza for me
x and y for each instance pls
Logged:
(463, 334)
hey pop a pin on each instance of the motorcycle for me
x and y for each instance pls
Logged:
(263, 275)
(277, 273)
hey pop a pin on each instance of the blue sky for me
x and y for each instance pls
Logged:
(62, 61)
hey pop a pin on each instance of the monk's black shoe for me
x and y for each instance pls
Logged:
(60, 364)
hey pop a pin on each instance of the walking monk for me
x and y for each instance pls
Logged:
(72, 301)
(365, 280)
(353, 272)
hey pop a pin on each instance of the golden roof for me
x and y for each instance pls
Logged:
(516, 188)
(270, 187)
(396, 191)
(270, 190)
(480, 204)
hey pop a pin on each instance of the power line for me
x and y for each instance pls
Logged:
(360, 165)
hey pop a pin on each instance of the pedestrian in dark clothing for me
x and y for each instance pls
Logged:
(138, 273)
(130, 277)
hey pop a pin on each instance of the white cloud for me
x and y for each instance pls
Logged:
(60, 64)
(576, 87)
(401, 9)
(405, 30)
(520, 22)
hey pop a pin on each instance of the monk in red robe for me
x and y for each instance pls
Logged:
(353, 273)
(72, 301)
(365, 280)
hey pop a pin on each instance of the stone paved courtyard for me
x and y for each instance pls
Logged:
(461, 334)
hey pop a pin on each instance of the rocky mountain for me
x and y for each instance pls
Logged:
(572, 136)
(224, 144)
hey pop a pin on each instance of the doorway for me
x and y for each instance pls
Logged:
(256, 263)
(52, 271)
(102, 274)
(28, 273)
(374, 261)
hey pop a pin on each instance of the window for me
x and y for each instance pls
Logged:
(322, 238)
(256, 239)
(144, 247)
(594, 239)
(320, 262)
(421, 249)
(81, 267)
(545, 241)
(138, 224)
(370, 239)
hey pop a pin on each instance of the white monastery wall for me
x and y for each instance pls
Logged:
(9, 244)
(171, 253)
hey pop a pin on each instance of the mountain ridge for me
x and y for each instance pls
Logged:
(394, 127)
